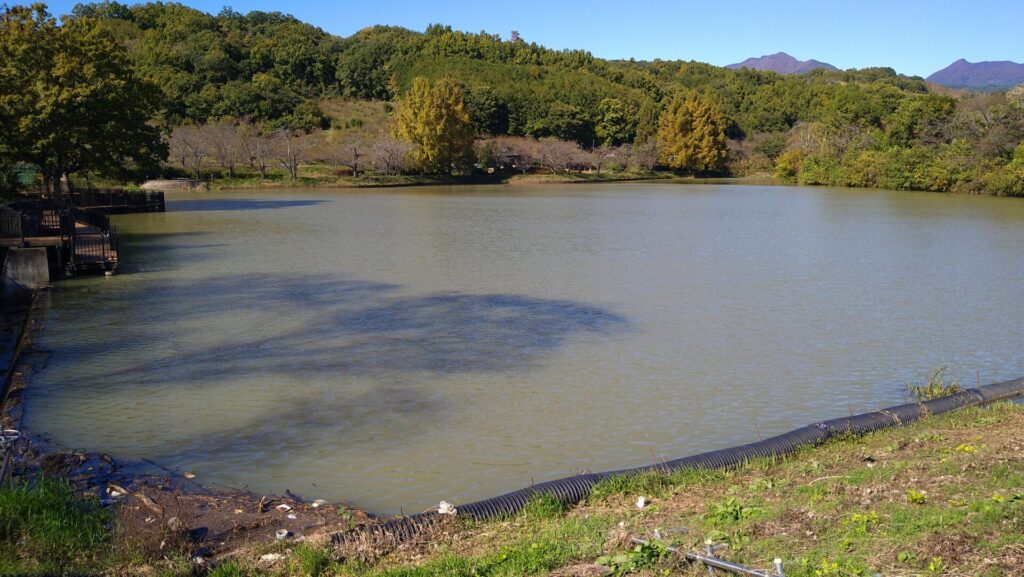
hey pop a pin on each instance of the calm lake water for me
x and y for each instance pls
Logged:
(396, 348)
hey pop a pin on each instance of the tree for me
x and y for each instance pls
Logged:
(691, 134)
(290, 148)
(363, 69)
(522, 153)
(390, 155)
(770, 145)
(558, 155)
(644, 155)
(188, 146)
(647, 122)
(224, 141)
(353, 152)
(433, 118)
(70, 102)
(600, 157)
(564, 122)
(256, 147)
(616, 124)
(488, 114)
(1016, 96)
(920, 118)
(510, 152)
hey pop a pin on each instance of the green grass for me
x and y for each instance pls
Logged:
(45, 529)
(939, 497)
(319, 175)
(936, 387)
(307, 561)
(537, 548)
(228, 569)
(604, 176)
(544, 506)
(942, 496)
(655, 483)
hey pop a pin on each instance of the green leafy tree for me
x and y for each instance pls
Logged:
(771, 146)
(691, 134)
(616, 125)
(647, 122)
(919, 118)
(365, 64)
(433, 118)
(70, 100)
(488, 114)
(564, 122)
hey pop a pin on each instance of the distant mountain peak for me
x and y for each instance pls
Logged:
(988, 75)
(782, 63)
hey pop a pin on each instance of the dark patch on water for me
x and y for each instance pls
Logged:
(234, 204)
(165, 251)
(354, 329)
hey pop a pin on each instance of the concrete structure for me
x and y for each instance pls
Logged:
(24, 269)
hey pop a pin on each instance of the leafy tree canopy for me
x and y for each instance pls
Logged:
(432, 116)
(691, 134)
(71, 99)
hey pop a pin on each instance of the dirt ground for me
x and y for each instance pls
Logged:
(159, 512)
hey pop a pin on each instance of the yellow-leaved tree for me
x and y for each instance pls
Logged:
(691, 134)
(433, 118)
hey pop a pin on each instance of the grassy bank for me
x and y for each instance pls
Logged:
(574, 177)
(311, 179)
(314, 176)
(45, 529)
(944, 496)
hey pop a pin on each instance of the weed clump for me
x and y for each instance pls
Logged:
(937, 387)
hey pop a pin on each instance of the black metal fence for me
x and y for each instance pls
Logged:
(77, 224)
(95, 251)
(116, 201)
(10, 224)
(36, 222)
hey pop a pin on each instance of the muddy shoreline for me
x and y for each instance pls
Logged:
(156, 508)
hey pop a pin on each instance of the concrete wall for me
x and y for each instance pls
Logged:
(24, 269)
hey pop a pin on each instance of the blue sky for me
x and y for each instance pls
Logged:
(912, 36)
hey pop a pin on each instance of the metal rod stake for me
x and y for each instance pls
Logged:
(714, 562)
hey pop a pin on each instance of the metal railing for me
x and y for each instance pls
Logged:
(95, 250)
(42, 222)
(10, 224)
(77, 223)
(115, 201)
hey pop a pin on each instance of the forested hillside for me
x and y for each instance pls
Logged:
(264, 72)
(269, 67)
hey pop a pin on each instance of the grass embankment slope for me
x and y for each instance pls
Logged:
(324, 176)
(944, 496)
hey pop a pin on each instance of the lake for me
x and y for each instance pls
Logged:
(397, 347)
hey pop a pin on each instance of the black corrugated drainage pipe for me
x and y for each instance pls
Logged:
(572, 490)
